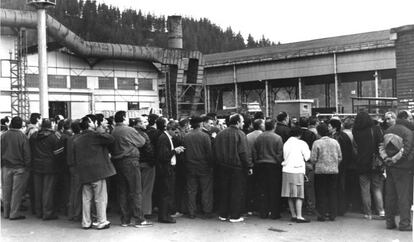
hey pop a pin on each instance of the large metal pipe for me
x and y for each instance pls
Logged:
(41, 40)
(175, 32)
(17, 18)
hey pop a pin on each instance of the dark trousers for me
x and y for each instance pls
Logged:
(45, 188)
(342, 204)
(326, 194)
(251, 193)
(269, 185)
(166, 195)
(309, 187)
(180, 197)
(147, 181)
(399, 196)
(14, 182)
(203, 182)
(232, 189)
(75, 197)
(62, 191)
(129, 190)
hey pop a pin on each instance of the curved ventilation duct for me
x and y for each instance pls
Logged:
(17, 18)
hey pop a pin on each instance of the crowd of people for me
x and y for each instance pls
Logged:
(200, 167)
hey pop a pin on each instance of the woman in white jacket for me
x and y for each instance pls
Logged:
(295, 153)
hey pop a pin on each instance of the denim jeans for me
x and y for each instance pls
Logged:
(45, 189)
(14, 181)
(399, 187)
(95, 191)
(371, 183)
(129, 190)
(204, 183)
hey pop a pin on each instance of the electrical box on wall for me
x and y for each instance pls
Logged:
(295, 108)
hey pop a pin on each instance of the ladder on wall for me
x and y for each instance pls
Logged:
(20, 105)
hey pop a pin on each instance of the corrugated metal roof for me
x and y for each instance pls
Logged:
(346, 43)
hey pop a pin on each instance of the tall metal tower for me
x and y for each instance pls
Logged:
(20, 105)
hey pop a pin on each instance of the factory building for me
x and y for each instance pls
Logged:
(371, 71)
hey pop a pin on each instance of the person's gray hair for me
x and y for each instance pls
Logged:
(392, 114)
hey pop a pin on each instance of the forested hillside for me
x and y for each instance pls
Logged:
(103, 23)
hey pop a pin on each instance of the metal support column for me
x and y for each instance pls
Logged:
(267, 98)
(41, 39)
(300, 88)
(236, 97)
(336, 85)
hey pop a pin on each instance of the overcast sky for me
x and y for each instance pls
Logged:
(286, 20)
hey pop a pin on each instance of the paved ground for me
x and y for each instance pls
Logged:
(349, 228)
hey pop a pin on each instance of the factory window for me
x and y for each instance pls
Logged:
(32, 80)
(133, 105)
(145, 84)
(126, 83)
(56, 81)
(78, 82)
(106, 83)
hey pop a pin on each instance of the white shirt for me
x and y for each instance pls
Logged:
(173, 159)
(295, 153)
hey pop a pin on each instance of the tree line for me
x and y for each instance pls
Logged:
(102, 23)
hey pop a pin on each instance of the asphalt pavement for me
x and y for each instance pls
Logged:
(351, 227)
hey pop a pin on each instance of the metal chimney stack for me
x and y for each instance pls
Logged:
(175, 32)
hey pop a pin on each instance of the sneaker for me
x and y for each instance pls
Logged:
(103, 225)
(236, 220)
(222, 219)
(176, 215)
(125, 224)
(368, 216)
(144, 224)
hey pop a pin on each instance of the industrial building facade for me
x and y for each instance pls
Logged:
(333, 72)
(89, 77)
(76, 88)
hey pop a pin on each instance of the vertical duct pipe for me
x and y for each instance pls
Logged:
(267, 98)
(175, 41)
(41, 39)
(336, 84)
(175, 32)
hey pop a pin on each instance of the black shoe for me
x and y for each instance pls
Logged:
(408, 228)
(302, 220)
(276, 216)
(51, 218)
(167, 221)
(331, 218)
(191, 216)
(207, 216)
(292, 219)
(321, 219)
(18, 217)
(391, 226)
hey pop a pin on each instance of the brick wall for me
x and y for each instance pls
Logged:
(404, 51)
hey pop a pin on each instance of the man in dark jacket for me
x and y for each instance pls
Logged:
(268, 157)
(147, 167)
(231, 152)
(91, 158)
(199, 168)
(45, 148)
(399, 173)
(125, 155)
(166, 161)
(15, 163)
(282, 127)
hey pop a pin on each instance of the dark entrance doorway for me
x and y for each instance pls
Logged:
(58, 108)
